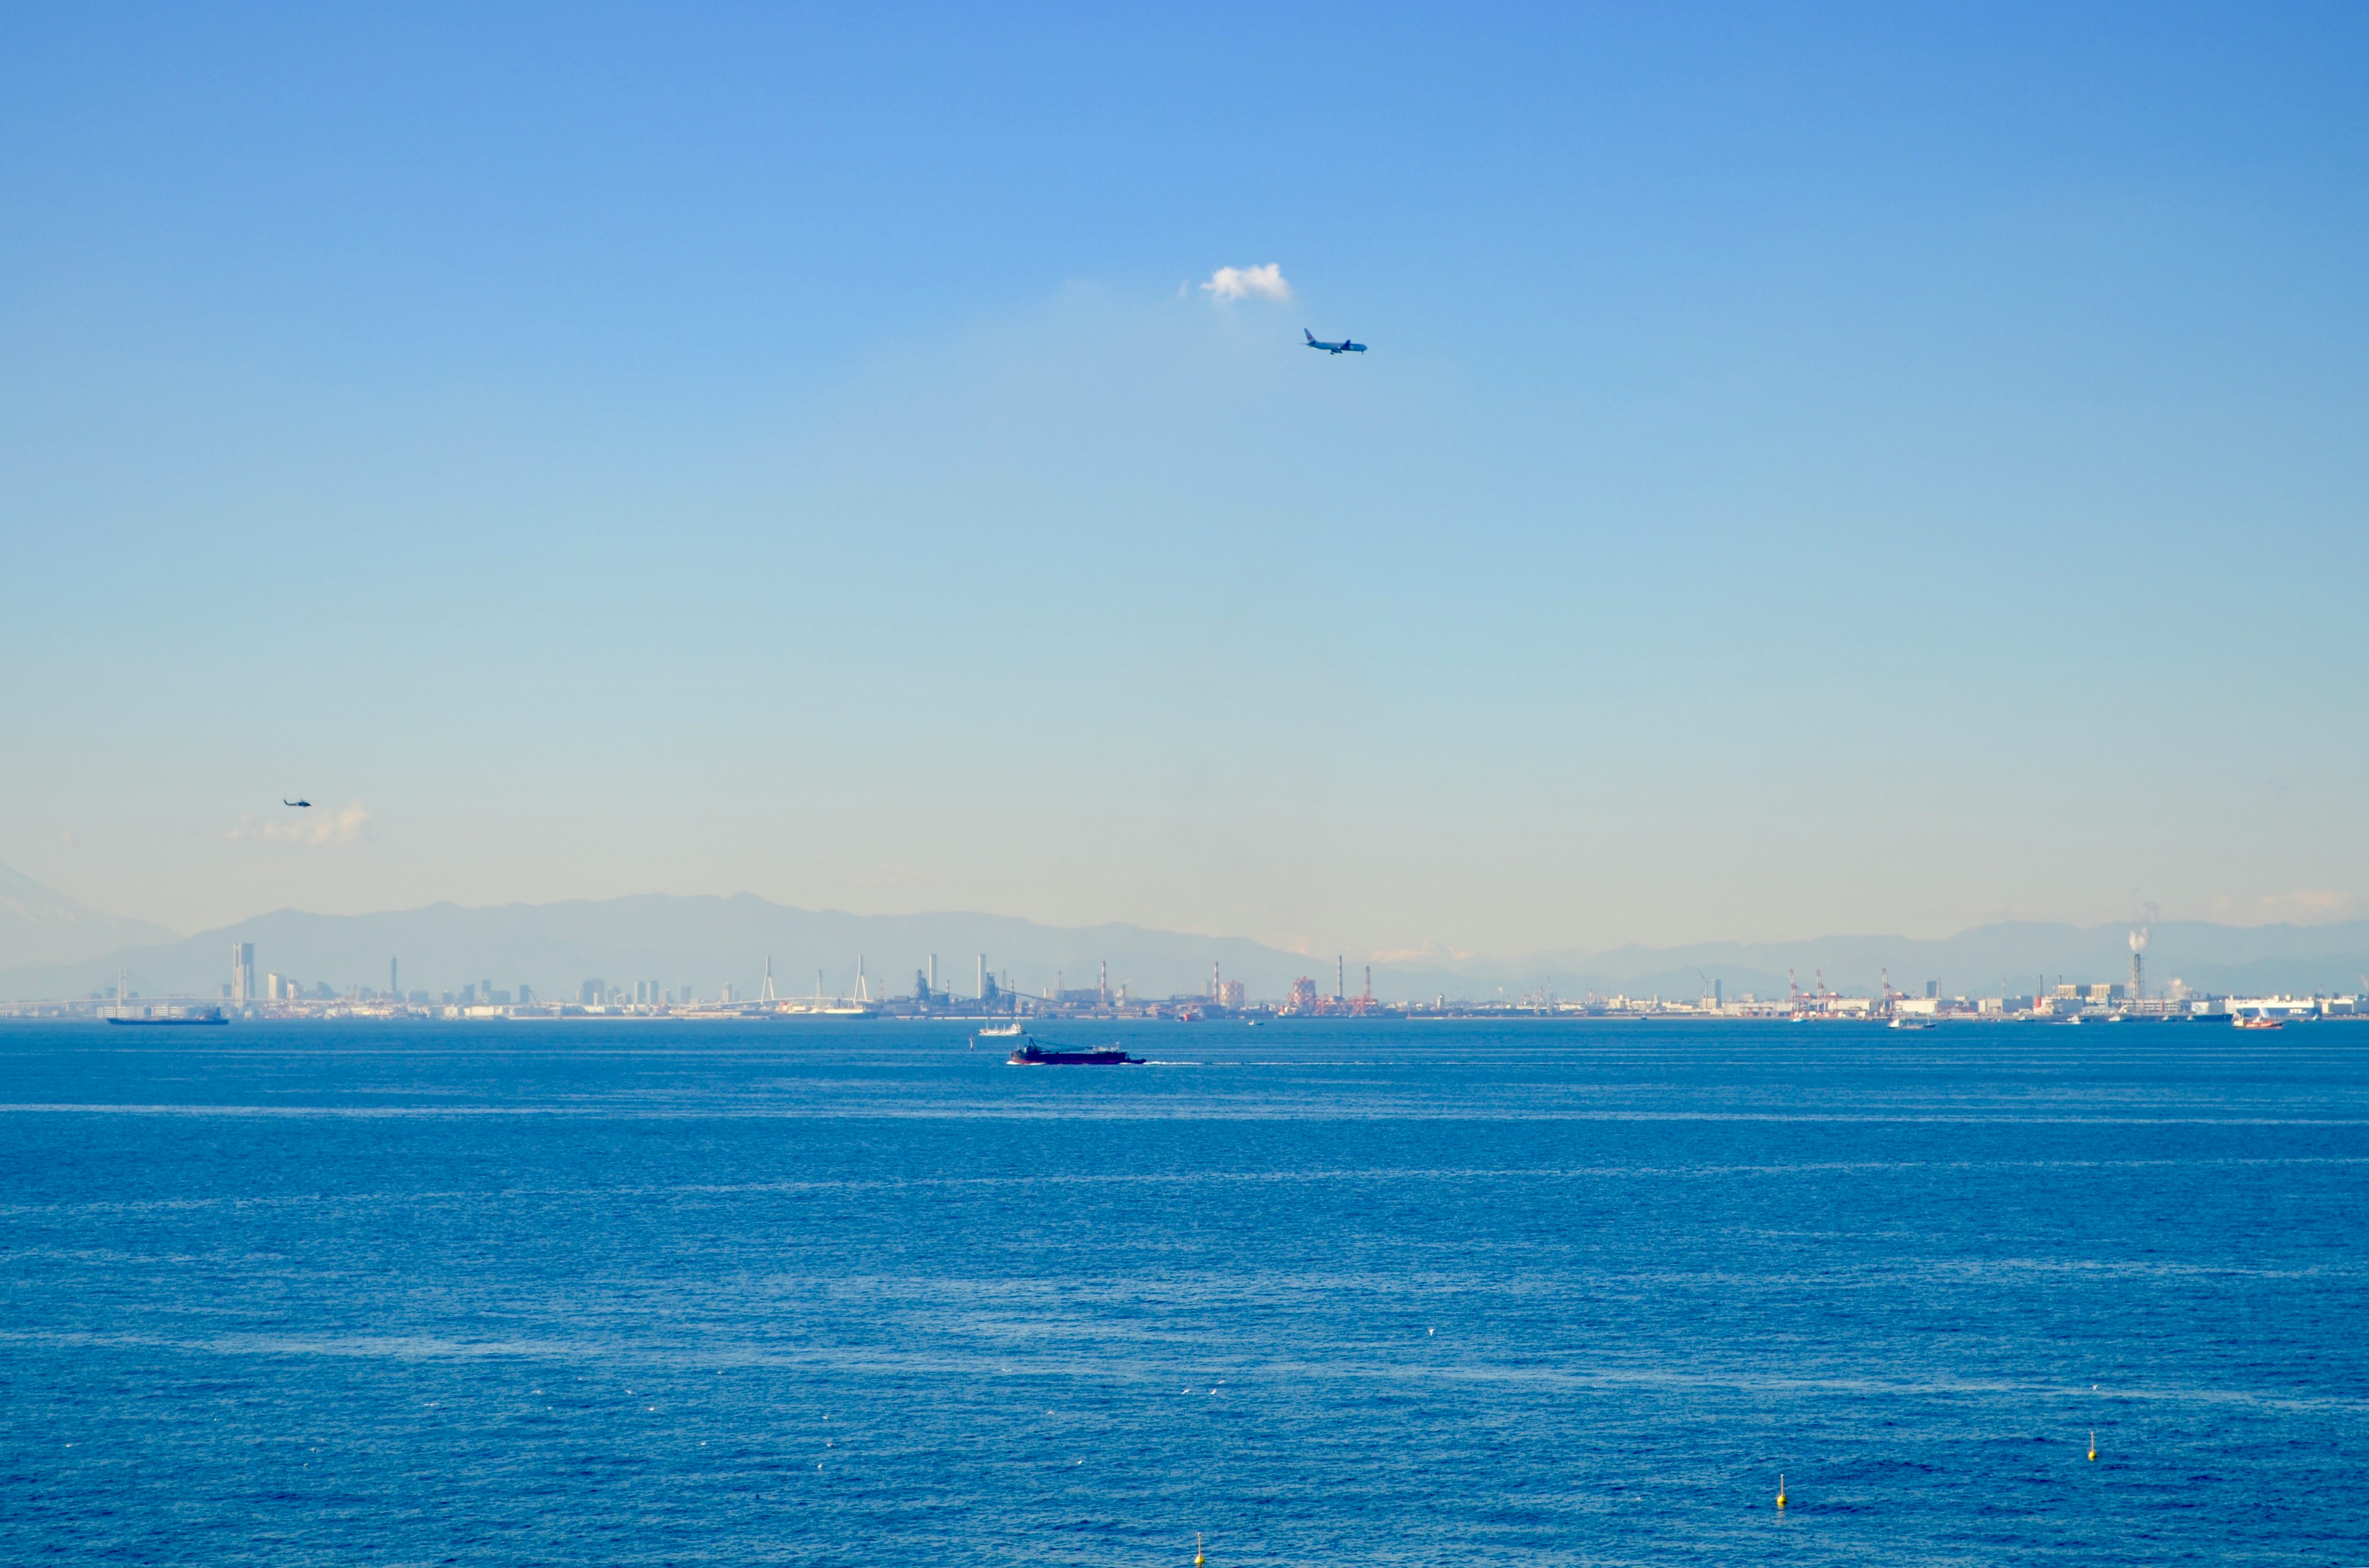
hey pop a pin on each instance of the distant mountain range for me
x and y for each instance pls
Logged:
(42, 925)
(51, 947)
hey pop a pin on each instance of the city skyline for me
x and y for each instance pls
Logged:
(745, 948)
(994, 997)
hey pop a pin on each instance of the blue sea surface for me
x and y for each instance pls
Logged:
(1372, 1293)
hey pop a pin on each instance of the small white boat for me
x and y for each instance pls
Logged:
(1000, 1032)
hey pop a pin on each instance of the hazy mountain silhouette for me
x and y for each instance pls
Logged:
(42, 925)
(706, 942)
(703, 941)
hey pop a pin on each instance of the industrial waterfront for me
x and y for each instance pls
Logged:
(991, 998)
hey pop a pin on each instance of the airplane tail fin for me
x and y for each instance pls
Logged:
(1309, 336)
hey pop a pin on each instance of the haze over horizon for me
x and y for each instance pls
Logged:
(1809, 476)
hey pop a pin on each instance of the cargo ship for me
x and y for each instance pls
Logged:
(194, 1015)
(1033, 1055)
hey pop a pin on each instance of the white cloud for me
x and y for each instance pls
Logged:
(1265, 282)
(343, 828)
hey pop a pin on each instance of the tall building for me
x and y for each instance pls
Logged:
(393, 982)
(242, 971)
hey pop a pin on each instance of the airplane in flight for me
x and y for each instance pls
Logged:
(306, 803)
(1342, 347)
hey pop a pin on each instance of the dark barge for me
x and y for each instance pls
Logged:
(1033, 1055)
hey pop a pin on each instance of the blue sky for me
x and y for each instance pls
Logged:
(1817, 470)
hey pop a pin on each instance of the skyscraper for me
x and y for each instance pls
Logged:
(242, 971)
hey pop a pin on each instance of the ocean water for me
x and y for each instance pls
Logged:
(1374, 1294)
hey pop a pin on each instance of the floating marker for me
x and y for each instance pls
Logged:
(1781, 1489)
(2093, 1445)
(1197, 1549)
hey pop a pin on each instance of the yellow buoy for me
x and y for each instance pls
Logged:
(1196, 1549)
(1781, 1490)
(2093, 1445)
